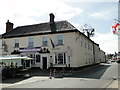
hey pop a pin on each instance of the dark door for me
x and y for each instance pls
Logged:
(44, 62)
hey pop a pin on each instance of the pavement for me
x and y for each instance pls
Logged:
(37, 79)
(114, 84)
(45, 82)
(29, 80)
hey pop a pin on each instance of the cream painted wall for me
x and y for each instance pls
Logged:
(102, 56)
(81, 55)
(97, 53)
(23, 43)
(84, 56)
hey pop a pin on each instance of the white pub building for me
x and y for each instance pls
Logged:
(60, 40)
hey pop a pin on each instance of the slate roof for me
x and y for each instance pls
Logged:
(42, 28)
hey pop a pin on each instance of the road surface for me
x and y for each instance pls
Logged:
(100, 76)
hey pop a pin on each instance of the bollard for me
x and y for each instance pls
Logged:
(50, 73)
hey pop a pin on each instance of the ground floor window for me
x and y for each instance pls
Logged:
(23, 62)
(34, 59)
(38, 58)
(60, 58)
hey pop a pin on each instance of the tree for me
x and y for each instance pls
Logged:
(88, 29)
(109, 56)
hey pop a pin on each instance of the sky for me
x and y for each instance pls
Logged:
(99, 14)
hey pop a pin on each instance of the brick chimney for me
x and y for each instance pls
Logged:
(52, 17)
(52, 23)
(9, 26)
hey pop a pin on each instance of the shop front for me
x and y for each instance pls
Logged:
(40, 56)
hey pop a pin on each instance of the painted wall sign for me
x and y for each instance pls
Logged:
(34, 49)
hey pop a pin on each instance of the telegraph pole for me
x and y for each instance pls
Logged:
(119, 38)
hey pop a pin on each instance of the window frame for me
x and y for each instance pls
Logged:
(81, 41)
(44, 41)
(60, 59)
(60, 40)
(38, 58)
(33, 61)
(16, 44)
(30, 42)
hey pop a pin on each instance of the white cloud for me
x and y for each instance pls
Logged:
(105, 14)
(108, 42)
(22, 12)
(66, 12)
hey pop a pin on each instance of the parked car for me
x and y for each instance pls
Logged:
(108, 61)
(112, 60)
(118, 61)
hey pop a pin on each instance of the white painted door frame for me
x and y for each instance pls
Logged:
(44, 55)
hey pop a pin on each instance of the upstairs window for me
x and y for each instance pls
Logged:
(81, 41)
(59, 39)
(30, 42)
(16, 43)
(45, 41)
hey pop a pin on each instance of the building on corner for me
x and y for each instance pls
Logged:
(60, 40)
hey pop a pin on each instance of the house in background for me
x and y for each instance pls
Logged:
(60, 40)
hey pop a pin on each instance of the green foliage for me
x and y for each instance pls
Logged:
(109, 56)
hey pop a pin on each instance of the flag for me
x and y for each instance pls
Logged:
(115, 28)
(53, 45)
